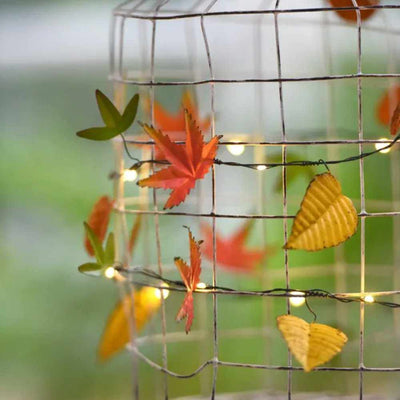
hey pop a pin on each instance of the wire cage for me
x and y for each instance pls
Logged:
(279, 80)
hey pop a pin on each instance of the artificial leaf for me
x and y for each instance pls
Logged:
(191, 277)
(109, 253)
(312, 344)
(143, 304)
(115, 123)
(395, 121)
(134, 233)
(351, 15)
(326, 217)
(108, 112)
(174, 124)
(129, 114)
(95, 244)
(89, 267)
(188, 163)
(232, 252)
(99, 133)
(387, 104)
(98, 221)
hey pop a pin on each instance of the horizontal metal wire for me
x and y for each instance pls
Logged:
(242, 216)
(159, 16)
(117, 78)
(276, 143)
(167, 371)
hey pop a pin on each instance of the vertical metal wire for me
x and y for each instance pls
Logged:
(213, 206)
(362, 202)
(155, 206)
(284, 183)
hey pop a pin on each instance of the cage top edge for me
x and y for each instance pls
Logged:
(158, 13)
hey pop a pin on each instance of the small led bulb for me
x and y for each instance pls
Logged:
(163, 292)
(235, 149)
(369, 299)
(379, 146)
(261, 167)
(129, 175)
(201, 285)
(110, 272)
(298, 300)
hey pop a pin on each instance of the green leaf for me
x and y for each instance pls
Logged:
(95, 242)
(108, 112)
(110, 250)
(102, 133)
(129, 114)
(89, 267)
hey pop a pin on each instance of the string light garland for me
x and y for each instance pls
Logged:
(380, 148)
(154, 280)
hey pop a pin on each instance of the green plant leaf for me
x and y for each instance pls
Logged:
(129, 114)
(100, 133)
(95, 242)
(110, 250)
(108, 112)
(89, 267)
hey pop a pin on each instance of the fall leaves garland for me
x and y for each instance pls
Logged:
(325, 219)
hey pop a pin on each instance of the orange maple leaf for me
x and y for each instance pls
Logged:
(174, 124)
(387, 104)
(232, 253)
(98, 221)
(188, 163)
(191, 278)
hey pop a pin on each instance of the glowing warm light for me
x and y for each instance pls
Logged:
(369, 299)
(235, 149)
(110, 272)
(298, 300)
(261, 167)
(165, 292)
(129, 175)
(379, 146)
(201, 285)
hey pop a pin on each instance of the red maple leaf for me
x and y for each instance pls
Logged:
(174, 124)
(98, 221)
(191, 278)
(188, 163)
(232, 253)
(387, 104)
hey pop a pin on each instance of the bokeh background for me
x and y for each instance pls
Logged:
(53, 57)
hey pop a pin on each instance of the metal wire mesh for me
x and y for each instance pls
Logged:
(138, 59)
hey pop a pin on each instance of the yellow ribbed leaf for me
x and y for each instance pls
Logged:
(312, 344)
(117, 331)
(326, 217)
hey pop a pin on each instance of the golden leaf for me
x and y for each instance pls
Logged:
(312, 344)
(117, 331)
(326, 217)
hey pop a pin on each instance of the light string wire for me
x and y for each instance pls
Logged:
(158, 281)
(295, 163)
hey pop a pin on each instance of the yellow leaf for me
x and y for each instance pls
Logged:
(326, 217)
(312, 344)
(117, 331)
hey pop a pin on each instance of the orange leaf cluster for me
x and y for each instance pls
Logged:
(98, 221)
(232, 252)
(191, 278)
(188, 163)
